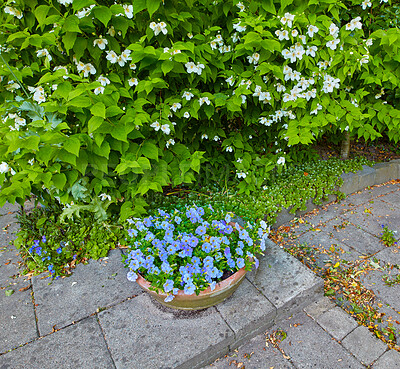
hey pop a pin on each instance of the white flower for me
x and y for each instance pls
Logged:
(241, 7)
(230, 81)
(253, 59)
(31, 161)
(99, 90)
(186, 114)
(132, 66)
(155, 125)
(334, 30)
(294, 32)
(333, 43)
(112, 57)
(311, 51)
(205, 100)
(244, 97)
(190, 35)
(63, 68)
(104, 196)
(44, 52)
(159, 28)
(111, 31)
(165, 128)
(4, 167)
(229, 149)
(14, 12)
(238, 27)
(235, 37)
(204, 136)
(104, 81)
(84, 12)
(282, 34)
(319, 107)
(369, 42)
(88, 69)
(311, 30)
(101, 43)
(354, 24)
(281, 161)
(216, 138)
(171, 141)
(287, 19)
(241, 174)
(239, 160)
(128, 9)
(187, 95)
(366, 4)
(133, 82)
(175, 107)
(280, 87)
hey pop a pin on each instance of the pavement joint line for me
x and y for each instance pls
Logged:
(105, 340)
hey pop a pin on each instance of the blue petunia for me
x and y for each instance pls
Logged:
(59, 250)
(132, 232)
(206, 247)
(201, 230)
(240, 263)
(168, 285)
(132, 276)
(189, 289)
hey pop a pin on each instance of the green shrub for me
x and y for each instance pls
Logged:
(105, 103)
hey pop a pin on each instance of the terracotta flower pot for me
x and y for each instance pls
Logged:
(205, 299)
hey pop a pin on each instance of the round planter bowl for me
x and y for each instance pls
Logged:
(204, 299)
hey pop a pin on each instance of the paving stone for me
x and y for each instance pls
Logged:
(390, 255)
(285, 281)
(17, 319)
(9, 208)
(152, 336)
(315, 309)
(386, 172)
(283, 217)
(392, 198)
(247, 312)
(355, 238)
(363, 345)
(254, 355)
(10, 261)
(79, 346)
(96, 285)
(389, 360)
(337, 323)
(388, 294)
(309, 346)
(390, 317)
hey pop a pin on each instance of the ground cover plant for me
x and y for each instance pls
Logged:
(107, 102)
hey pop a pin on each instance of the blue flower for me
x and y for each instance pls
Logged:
(189, 289)
(178, 220)
(206, 247)
(240, 263)
(44, 239)
(239, 251)
(36, 243)
(200, 230)
(166, 268)
(230, 262)
(132, 276)
(186, 278)
(212, 285)
(51, 268)
(59, 250)
(134, 264)
(132, 232)
(169, 298)
(38, 250)
(168, 285)
(243, 235)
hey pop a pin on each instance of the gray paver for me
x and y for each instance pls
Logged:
(363, 345)
(17, 319)
(309, 346)
(388, 294)
(337, 323)
(389, 360)
(319, 307)
(247, 312)
(285, 281)
(79, 346)
(9, 265)
(96, 285)
(144, 332)
(390, 255)
(254, 355)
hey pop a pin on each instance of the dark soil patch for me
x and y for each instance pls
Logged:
(380, 150)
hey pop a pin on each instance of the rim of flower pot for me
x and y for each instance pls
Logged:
(204, 299)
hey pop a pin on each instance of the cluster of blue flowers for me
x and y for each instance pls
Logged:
(189, 250)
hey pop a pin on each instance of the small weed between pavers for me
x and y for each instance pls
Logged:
(387, 237)
(342, 284)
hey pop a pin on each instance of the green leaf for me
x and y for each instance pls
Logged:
(72, 145)
(71, 24)
(94, 123)
(80, 101)
(113, 110)
(149, 150)
(31, 143)
(167, 66)
(69, 40)
(103, 14)
(59, 180)
(152, 6)
(41, 13)
(98, 110)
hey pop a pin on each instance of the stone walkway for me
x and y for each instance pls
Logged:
(278, 317)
